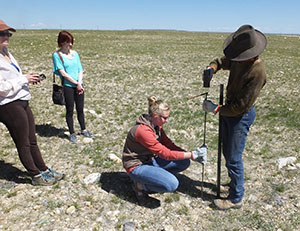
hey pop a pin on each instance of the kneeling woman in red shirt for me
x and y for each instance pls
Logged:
(150, 158)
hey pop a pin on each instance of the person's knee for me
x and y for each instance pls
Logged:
(234, 164)
(171, 185)
(184, 164)
(69, 113)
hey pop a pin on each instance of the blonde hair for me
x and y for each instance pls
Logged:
(156, 106)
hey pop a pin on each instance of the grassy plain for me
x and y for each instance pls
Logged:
(122, 68)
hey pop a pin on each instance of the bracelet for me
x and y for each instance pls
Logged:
(212, 68)
(217, 109)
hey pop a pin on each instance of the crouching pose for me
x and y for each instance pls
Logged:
(16, 114)
(150, 158)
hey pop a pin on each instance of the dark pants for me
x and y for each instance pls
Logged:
(17, 117)
(235, 131)
(72, 96)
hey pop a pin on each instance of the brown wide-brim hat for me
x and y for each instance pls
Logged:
(3, 26)
(244, 44)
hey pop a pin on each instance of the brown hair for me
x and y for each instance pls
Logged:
(64, 36)
(156, 106)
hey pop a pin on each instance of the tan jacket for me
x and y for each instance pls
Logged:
(246, 79)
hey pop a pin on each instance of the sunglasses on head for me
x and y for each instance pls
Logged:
(5, 33)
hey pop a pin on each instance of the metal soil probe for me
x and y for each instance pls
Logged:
(203, 145)
(204, 137)
(219, 143)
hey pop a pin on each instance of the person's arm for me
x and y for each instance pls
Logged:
(165, 140)
(146, 136)
(246, 96)
(80, 88)
(214, 67)
(67, 76)
(11, 87)
(220, 63)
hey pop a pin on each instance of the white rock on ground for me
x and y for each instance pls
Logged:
(281, 162)
(87, 140)
(92, 178)
(114, 158)
(71, 209)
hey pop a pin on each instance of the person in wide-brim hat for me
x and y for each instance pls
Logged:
(244, 44)
(247, 76)
(4, 27)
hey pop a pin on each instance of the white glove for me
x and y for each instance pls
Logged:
(200, 155)
(209, 106)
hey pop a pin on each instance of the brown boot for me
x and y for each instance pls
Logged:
(224, 188)
(227, 204)
(140, 194)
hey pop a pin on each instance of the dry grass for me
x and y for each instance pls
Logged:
(122, 68)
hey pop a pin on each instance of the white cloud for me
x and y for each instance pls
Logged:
(38, 25)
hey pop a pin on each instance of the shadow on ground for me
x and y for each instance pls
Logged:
(12, 174)
(47, 130)
(119, 184)
(193, 188)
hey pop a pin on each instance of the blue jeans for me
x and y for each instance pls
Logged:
(159, 175)
(235, 131)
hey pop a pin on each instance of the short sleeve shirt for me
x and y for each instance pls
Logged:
(72, 66)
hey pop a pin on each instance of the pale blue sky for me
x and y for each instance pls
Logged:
(269, 16)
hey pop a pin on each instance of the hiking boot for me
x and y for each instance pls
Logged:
(224, 188)
(58, 176)
(227, 204)
(43, 179)
(73, 138)
(86, 133)
(140, 194)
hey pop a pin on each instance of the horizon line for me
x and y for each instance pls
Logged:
(176, 30)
